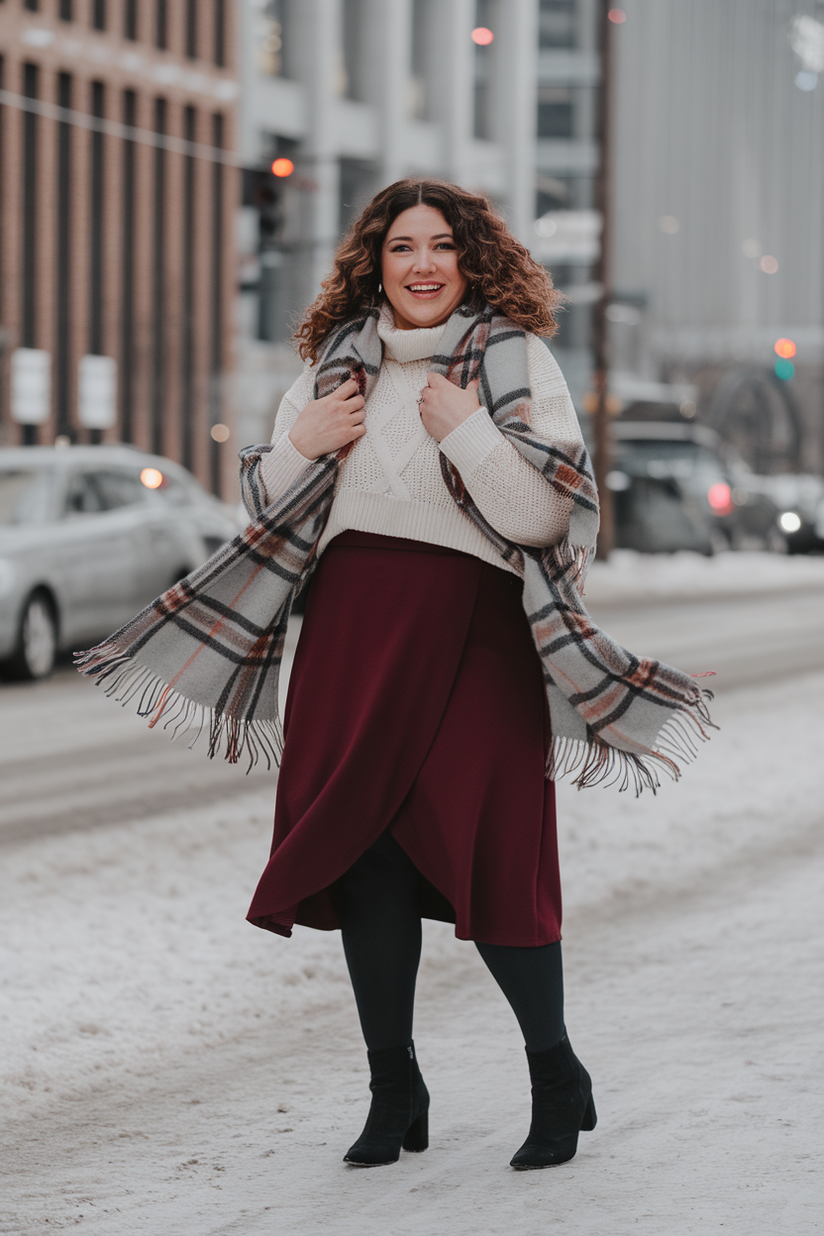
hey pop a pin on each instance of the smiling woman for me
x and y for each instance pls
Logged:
(412, 780)
(427, 472)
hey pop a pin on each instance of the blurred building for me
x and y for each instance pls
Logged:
(565, 236)
(718, 228)
(148, 287)
(350, 95)
(117, 265)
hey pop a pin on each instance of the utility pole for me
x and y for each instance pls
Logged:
(601, 275)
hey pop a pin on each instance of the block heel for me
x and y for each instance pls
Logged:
(590, 1119)
(417, 1135)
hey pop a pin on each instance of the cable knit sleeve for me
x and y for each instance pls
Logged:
(509, 492)
(281, 467)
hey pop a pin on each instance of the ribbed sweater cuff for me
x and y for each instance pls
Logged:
(281, 467)
(468, 445)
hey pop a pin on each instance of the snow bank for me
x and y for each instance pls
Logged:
(629, 577)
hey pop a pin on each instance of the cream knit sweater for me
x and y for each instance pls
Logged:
(391, 483)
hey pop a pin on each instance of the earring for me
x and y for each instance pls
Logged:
(380, 289)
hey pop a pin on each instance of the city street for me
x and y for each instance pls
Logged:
(169, 1069)
(295, 234)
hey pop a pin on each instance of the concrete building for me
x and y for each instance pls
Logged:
(355, 94)
(126, 230)
(719, 213)
(566, 234)
(117, 266)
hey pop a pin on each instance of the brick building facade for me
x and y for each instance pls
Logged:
(119, 187)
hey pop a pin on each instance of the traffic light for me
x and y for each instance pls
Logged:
(282, 168)
(785, 351)
(263, 189)
(270, 210)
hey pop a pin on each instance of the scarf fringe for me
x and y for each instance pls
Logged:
(123, 679)
(594, 762)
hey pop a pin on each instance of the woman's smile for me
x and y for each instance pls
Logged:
(424, 291)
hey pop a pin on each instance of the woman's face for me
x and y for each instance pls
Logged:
(419, 268)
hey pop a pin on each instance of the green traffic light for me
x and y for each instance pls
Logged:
(784, 369)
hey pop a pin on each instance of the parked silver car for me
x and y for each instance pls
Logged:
(88, 536)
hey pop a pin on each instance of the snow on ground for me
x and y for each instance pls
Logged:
(169, 1069)
(684, 576)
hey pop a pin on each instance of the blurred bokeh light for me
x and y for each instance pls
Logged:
(152, 478)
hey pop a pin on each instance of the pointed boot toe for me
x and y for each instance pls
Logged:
(562, 1106)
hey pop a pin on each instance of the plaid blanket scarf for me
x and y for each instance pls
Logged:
(207, 652)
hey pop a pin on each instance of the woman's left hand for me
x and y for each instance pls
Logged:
(444, 406)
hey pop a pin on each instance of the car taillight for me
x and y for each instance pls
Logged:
(720, 498)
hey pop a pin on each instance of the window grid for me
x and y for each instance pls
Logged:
(96, 223)
(28, 307)
(220, 33)
(191, 29)
(158, 282)
(216, 350)
(127, 275)
(63, 289)
(130, 19)
(161, 24)
(187, 342)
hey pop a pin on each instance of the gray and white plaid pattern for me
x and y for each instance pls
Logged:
(208, 651)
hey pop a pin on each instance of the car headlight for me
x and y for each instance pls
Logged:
(8, 576)
(789, 521)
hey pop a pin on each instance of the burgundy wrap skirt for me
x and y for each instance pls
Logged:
(416, 703)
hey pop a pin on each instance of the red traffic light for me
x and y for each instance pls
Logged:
(283, 167)
(483, 36)
(785, 348)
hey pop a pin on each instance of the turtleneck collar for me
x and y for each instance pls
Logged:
(407, 345)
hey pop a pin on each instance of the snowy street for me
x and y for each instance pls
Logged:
(167, 1068)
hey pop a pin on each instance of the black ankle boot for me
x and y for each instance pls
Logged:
(399, 1115)
(561, 1106)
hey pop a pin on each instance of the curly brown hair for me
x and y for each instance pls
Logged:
(499, 269)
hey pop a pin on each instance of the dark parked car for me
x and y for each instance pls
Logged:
(88, 536)
(674, 490)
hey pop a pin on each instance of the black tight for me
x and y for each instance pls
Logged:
(532, 979)
(381, 928)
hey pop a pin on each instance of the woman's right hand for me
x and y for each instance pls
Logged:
(325, 425)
